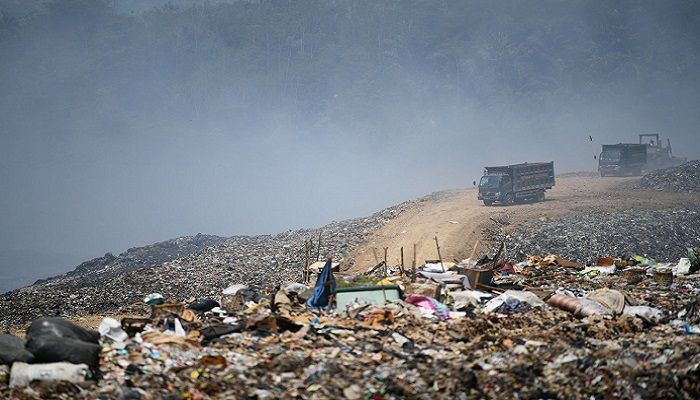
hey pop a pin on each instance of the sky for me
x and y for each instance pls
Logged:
(78, 185)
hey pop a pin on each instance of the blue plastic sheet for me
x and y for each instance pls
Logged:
(325, 285)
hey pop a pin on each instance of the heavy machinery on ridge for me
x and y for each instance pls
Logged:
(633, 159)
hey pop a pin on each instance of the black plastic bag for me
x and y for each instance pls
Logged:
(59, 327)
(12, 349)
(203, 305)
(50, 348)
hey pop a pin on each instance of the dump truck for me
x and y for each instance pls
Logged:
(623, 159)
(659, 156)
(633, 159)
(515, 183)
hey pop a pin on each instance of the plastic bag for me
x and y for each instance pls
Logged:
(12, 350)
(203, 305)
(23, 374)
(59, 327)
(49, 349)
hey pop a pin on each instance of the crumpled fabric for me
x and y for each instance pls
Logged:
(512, 306)
(429, 303)
(613, 300)
(528, 298)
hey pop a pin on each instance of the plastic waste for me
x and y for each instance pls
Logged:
(203, 305)
(112, 329)
(682, 268)
(179, 330)
(614, 300)
(325, 285)
(521, 296)
(12, 350)
(51, 349)
(22, 374)
(464, 298)
(646, 312)
(590, 307)
(154, 299)
(596, 269)
(296, 288)
(59, 327)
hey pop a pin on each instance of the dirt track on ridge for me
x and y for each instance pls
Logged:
(458, 219)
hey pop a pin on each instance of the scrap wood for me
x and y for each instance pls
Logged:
(160, 338)
(371, 270)
(490, 288)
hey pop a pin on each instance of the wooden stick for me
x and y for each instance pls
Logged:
(471, 256)
(403, 271)
(306, 265)
(413, 264)
(385, 264)
(438, 251)
(318, 252)
(371, 270)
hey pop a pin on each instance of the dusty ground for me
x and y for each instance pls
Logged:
(458, 219)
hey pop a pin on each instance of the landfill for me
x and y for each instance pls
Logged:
(682, 178)
(540, 327)
(207, 266)
(660, 234)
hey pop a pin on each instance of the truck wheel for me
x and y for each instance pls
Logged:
(488, 202)
(508, 199)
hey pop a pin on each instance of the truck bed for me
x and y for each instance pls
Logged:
(527, 176)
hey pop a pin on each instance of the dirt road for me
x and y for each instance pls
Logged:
(458, 219)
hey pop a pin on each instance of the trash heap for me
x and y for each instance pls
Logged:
(683, 178)
(256, 261)
(543, 327)
(658, 234)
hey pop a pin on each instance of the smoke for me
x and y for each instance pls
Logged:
(126, 124)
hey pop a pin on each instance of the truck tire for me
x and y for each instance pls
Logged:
(508, 199)
(488, 202)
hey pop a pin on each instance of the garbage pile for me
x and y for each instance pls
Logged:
(543, 327)
(660, 234)
(134, 258)
(683, 178)
(256, 261)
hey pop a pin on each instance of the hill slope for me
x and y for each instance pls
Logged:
(584, 216)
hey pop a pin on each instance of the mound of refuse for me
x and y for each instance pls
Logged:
(660, 234)
(255, 261)
(542, 327)
(683, 178)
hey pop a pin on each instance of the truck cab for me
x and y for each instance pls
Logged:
(495, 188)
(622, 159)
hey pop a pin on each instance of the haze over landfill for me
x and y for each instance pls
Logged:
(340, 199)
(125, 123)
